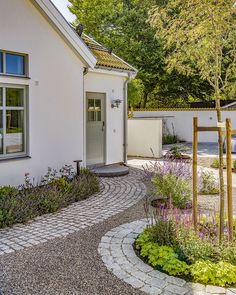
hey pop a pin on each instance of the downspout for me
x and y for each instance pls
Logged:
(125, 144)
(84, 119)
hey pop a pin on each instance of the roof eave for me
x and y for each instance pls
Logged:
(63, 27)
(130, 66)
(131, 73)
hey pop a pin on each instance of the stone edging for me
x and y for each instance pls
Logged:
(116, 250)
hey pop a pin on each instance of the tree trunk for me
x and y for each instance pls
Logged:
(221, 171)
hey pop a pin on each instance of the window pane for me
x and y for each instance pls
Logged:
(98, 116)
(91, 116)
(1, 62)
(1, 99)
(1, 132)
(91, 104)
(14, 97)
(15, 64)
(97, 104)
(14, 131)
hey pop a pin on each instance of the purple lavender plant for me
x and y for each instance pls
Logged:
(179, 168)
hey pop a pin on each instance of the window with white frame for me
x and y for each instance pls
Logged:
(12, 121)
(13, 64)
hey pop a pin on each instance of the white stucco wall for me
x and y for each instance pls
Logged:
(145, 137)
(112, 86)
(182, 121)
(55, 92)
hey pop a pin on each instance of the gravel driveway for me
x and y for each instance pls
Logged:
(69, 265)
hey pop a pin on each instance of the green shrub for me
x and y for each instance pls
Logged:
(85, 185)
(61, 184)
(195, 249)
(53, 193)
(176, 152)
(207, 272)
(164, 233)
(174, 267)
(7, 190)
(228, 253)
(144, 238)
(50, 200)
(197, 267)
(160, 256)
(169, 139)
(215, 164)
(208, 183)
(173, 188)
(15, 208)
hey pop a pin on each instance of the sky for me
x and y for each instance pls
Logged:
(62, 6)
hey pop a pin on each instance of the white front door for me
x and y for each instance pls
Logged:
(95, 128)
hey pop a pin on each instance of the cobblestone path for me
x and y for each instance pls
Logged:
(116, 195)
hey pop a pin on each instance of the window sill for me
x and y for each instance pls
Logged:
(15, 158)
(14, 76)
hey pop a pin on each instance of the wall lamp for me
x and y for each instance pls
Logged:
(116, 103)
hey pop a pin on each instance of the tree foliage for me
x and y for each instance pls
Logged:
(123, 25)
(200, 37)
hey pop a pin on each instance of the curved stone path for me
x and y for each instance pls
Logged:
(116, 250)
(116, 195)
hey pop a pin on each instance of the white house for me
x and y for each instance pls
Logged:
(62, 96)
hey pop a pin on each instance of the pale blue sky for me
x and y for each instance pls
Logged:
(62, 6)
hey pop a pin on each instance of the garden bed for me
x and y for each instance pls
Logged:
(173, 248)
(55, 191)
(171, 244)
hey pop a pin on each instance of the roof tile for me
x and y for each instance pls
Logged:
(104, 57)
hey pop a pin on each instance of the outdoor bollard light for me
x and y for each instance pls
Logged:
(77, 166)
(116, 103)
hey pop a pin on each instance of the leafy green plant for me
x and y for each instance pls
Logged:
(198, 259)
(160, 256)
(215, 164)
(61, 184)
(176, 190)
(195, 249)
(208, 183)
(176, 152)
(7, 190)
(207, 272)
(163, 232)
(174, 267)
(84, 185)
(228, 252)
(52, 194)
(169, 139)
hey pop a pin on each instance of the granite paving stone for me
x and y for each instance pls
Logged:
(123, 260)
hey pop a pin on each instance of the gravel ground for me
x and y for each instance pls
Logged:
(68, 265)
(72, 265)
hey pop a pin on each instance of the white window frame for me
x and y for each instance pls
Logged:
(4, 109)
(4, 66)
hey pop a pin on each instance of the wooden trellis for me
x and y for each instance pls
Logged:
(228, 132)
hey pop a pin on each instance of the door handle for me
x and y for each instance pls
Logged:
(103, 125)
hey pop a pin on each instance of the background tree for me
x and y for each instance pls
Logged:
(200, 36)
(123, 26)
(135, 92)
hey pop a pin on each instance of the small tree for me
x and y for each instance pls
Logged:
(200, 36)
